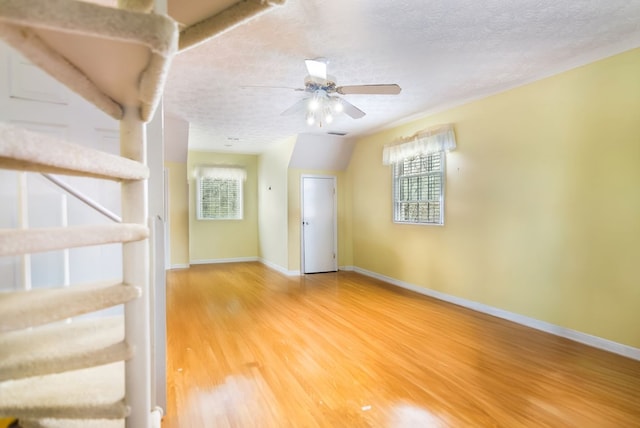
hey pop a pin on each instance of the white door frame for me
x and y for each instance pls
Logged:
(335, 217)
(167, 222)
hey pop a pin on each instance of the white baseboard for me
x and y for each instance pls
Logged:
(279, 268)
(179, 266)
(229, 260)
(576, 336)
(156, 417)
(346, 268)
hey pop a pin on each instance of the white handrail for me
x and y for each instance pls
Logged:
(82, 197)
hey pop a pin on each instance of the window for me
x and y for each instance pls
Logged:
(220, 193)
(418, 174)
(418, 189)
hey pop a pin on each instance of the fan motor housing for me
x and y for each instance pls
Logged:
(313, 84)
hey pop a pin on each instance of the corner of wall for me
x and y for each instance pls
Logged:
(272, 202)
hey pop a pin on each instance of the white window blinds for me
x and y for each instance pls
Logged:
(220, 193)
(418, 185)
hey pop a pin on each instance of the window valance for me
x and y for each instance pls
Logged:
(427, 141)
(222, 172)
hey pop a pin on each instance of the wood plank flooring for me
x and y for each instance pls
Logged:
(249, 347)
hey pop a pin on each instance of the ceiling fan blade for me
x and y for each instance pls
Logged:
(316, 68)
(351, 110)
(369, 89)
(298, 106)
(270, 87)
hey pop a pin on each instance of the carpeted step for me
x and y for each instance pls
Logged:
(94, 393)
(14, 242)
(156, 422)
(22, 309)
(111, 57)
(205, 27)
(62, 347)
(32, 151)
(70, 423)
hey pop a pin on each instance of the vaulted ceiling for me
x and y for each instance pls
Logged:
(233, 88)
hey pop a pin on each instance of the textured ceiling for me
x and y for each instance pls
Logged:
(441, 52)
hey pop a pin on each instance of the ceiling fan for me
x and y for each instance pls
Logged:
(322, 102)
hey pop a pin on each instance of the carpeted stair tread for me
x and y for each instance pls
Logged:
(15, 242)
(114, 58)
(22, 309)
(203, 26)
(70, 423)
(26, 150)
(62, 347)
(92, 393)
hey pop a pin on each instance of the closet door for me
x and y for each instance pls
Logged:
(319, 253)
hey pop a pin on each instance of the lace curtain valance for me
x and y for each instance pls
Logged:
(222, 172)
(431, 140)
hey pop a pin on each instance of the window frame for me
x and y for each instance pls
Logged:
(199, 214)
(395, 203)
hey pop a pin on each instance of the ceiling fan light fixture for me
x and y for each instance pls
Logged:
(328, 117)
(318, 101)
(311, 118)
(321, 108)
(314, 103)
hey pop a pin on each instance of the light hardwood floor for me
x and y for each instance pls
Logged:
(249, 347)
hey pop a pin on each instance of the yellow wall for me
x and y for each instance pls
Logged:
(542, 212)
(272, 202)
(216, 240)
(345, 256)
(178, 213)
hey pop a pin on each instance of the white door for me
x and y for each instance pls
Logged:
(319, 224)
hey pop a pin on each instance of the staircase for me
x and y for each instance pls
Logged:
(93, 371)
(57, 371)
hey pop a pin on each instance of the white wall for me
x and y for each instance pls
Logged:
(176, 139)
(27, 95)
